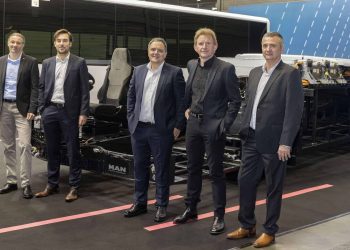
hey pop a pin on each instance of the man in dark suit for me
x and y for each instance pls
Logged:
(64, 107)
(155, 117)
(19, 76)
(212, 100)
(274, 106)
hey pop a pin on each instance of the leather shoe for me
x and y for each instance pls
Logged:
(187, 215)
(9, 187)
(241, 233)
(160, 214)
(72, 195)
(27, 192)
(135, 210)
(218, 226)
(47, 191)
(264, 240)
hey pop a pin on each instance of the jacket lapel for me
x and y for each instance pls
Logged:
(192, 69)
(271, 80)
(51, 72)
(211, 76)
(20, 69)
(3, 65)
(254, 82)
(69, 66)
(143, 75)
(162, 80)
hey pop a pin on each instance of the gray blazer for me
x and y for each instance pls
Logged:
(27, 84)
(279, 111)
(221, 98)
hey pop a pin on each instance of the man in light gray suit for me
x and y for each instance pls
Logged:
(19, 76)
(274, 107)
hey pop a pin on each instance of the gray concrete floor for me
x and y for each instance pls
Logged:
(332, 234)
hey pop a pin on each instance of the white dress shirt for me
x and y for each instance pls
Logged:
(60, 75)
(149, 94)
(262, 83)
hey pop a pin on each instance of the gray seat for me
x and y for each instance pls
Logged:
(112, 95)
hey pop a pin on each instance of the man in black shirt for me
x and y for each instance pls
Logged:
(212, 101)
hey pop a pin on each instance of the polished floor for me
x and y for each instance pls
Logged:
(315, 212)
(331, 234)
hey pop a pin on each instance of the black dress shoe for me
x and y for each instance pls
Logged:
(218, 226)
(135, 210)
(160, 214)
(187, 215)
(27, 192)
(9, 187)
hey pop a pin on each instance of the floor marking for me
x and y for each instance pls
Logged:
(236, 208)
(75, 217)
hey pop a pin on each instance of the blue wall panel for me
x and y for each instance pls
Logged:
(315, 27)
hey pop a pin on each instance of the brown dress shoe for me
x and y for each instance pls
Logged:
(72, 195)
(241, 233)
(47, 191)
(264, 240)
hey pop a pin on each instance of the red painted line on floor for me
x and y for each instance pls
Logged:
(75, 217)
(236, 208)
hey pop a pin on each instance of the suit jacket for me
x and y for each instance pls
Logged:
(279, 110)
(221, 98)
(76, 86)
(168, 105)
(27, 84)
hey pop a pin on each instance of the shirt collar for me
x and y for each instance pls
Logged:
(269, 72)
(14, 61)
(58, 59)
(158, 70)
(208, 63)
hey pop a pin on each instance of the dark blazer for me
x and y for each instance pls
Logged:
(221, 99)
(168, 105)
(27, 84)
(76, 86)
(279, 110)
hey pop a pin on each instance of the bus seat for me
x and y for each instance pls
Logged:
(113, 93)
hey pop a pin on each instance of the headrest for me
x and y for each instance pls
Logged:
(120, 58)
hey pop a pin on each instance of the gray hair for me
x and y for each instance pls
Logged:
(158, 39)
(17, 34)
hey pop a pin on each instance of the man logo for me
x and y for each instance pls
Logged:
(117, 169)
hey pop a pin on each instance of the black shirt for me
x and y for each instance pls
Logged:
(198, 85)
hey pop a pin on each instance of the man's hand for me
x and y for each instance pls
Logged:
(283, 152)
(176, 133)
(30, 116)
(82, 120)
(187, 113)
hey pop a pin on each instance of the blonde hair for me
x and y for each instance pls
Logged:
(205, 32)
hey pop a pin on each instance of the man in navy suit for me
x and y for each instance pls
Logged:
(19, 76)
(155, 117)
(274, 107)
(64, 107)
(212, 101)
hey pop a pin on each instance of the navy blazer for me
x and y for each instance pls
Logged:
(279, 111)
(76, 86)
(168, 105)
(27, 84)
(221, 98)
